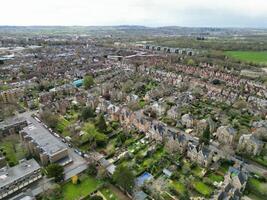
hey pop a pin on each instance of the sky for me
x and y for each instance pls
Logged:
(191, 13)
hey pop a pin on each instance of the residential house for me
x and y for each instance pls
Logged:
(234, 184)
(250, 144)
(187, 120)
(201, 155)
(226, 134)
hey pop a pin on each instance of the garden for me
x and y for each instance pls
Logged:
(86, 185)
(12, 149)
(256, 188)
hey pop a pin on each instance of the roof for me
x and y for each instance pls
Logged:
(78, 83)
(44, 139)
(9, 175)
(140, 195)
(12, 121)
(167, 172)
(143, 178)
(111, 168)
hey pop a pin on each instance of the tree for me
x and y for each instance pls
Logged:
(52, 194)
(87, 113)
(93, 136)
(49, 118)
(124, 177)
(92, 170)
(205, 138)
(55, 171)
(88, 81)
(101, 123)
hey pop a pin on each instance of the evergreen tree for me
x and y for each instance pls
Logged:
(101, 123)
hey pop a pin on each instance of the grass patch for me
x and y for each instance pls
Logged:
(215, 177)
(202, 188)
(142, 103)
(86, 186)
(257, 188)
(108, 194)
(197, 171)
(179, 187)
(259, 57)
(62, 126)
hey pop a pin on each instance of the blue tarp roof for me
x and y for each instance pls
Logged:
(78, 83)
(144, 177)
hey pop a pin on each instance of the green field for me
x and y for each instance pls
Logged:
(259, 57)
(85, 187)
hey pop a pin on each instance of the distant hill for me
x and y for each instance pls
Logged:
(132, 30)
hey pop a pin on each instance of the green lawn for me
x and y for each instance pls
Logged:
(215, 177)
(4, 87)
(62, 126)
(257, 188)
(202, 188)
(197, 171)
(88, 184)
(179, 187)
(12, 149)
(259, 57)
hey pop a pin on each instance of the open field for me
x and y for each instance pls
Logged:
(258, 57)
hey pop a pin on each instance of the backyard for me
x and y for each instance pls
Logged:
(62, 126)
(12, 149)
(86, 186)
(257, 187)
(202, 188)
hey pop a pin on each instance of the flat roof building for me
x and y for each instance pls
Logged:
(12, 125)
(17, 177)
(41, 143)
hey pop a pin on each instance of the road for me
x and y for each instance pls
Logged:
(78, 165)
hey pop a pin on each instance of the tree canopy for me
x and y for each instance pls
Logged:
(55, 171)
(101, 123)
(124, 177)
(49, 118)
(87, 113)
(205, 138)
(93, 136)
(88, 81)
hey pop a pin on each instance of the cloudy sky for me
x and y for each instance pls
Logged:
(215, 13)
